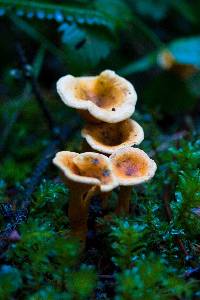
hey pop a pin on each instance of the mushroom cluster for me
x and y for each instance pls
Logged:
(106, 102)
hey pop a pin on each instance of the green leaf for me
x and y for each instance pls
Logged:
(151, 279)
(159, 9)
(49, 293)
(155, 9)
(185, 9)
(140, 65)
(85, 47)
(114, 8)
(38, 61)
(38, 37)
(82, 282)
(10, 281)
(193, 83)
(186, 50)
(80, 14)
(127, 241)
(168, 93)
(72, 35)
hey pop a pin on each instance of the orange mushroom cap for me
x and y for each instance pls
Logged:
(87, 168)
(132, 166)
(107, 97)
(107, 138)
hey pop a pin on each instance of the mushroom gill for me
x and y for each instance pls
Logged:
(107, 138)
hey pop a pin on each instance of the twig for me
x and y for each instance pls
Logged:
(12, 120)
(181, 246)
(166, 205)
(38, 172)
(29, 76)
(16, 217)
(106, 276)
(173, 138)
(193, 273)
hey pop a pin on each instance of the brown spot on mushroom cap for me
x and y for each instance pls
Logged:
(107, 138)
(106, 173)
(93, 165)
(86, 168)
(132, 166)
(107, 97)
(95, 161)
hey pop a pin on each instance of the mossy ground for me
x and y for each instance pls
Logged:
(152, 254)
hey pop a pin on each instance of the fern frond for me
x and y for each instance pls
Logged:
(83, 43)
(34, 34)
(59, 12)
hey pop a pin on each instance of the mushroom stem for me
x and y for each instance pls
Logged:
(124, 200)
(85, 147)
(79, 201)
(104, 199)
(85, 174)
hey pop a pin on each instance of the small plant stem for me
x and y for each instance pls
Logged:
(166, 205)
(169, 218)
(181, 246)
(78, 209)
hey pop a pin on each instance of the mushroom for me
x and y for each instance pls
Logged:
(106, 97)
(85, 174)
(107, 138)
(131, 166)
(168, 62)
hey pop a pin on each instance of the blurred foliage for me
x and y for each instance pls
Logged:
(156, 45)
(151, 279)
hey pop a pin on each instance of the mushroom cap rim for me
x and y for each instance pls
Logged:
(85, 179)
(102, 114)
(111, 149)
(142, 179)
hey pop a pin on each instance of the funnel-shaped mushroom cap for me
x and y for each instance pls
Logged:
(132, 166)
(107, 97)
(87, 168)
(108, 138)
